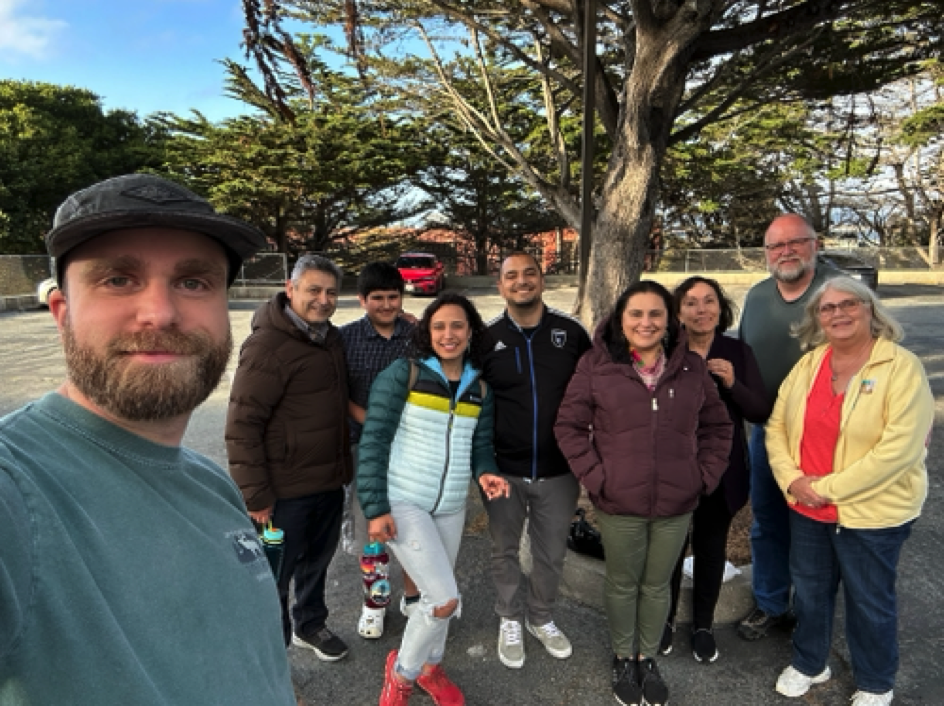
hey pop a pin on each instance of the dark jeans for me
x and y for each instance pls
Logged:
(770, 532)
(312, 527)
(709, 538)
(866, 562)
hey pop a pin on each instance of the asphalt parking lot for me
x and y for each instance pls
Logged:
(745, 673)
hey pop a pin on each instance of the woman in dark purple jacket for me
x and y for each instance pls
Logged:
(646, 433)
(706, 313)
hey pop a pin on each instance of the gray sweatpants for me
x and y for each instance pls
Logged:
(549, 508)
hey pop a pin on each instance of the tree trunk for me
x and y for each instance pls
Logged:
(934, 227)
(630, 193)
(481, 254)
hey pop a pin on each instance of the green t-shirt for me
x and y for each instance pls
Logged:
(129, 572)
(766, 324)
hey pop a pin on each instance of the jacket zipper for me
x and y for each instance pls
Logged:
(442, 478)
(534, 412)
(655, 433)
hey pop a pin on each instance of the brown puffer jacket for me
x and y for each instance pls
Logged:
(286, 427)
(649, 454)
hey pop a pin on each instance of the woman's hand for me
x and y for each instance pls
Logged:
(382, 529)
(494, 486)
(723, 369)
(802, 490)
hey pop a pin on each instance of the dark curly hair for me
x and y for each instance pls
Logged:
(728, 309)
(614, 337)
(422, 343)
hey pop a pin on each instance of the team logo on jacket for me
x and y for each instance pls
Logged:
(558, 337)
(500, 346)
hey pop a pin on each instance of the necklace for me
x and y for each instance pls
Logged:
(857, 361)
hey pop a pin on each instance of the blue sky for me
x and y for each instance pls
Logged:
(141, 55)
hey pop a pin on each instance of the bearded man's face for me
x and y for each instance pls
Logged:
(110, 377)
(144, 319)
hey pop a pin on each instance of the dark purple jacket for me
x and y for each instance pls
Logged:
(650, 454)
(745, 401)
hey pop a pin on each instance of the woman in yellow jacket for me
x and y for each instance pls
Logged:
(847, 443)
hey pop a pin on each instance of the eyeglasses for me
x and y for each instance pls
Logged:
(846, 306)
(792, 244)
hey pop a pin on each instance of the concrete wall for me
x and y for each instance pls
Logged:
(669, 279)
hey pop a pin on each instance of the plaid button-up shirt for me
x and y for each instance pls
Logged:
(368, 354)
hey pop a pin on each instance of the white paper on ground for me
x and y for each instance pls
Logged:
(730, 570)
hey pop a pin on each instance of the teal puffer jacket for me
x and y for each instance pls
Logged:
(421, 446)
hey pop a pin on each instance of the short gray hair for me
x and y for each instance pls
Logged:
(316, 262)
(810, 332)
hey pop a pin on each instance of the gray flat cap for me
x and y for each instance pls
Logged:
(147, 201)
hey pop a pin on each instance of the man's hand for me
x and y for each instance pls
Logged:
(261, 517)
(494, 486)
(382, 529)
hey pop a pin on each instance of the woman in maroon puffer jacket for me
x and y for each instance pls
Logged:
(647, 435)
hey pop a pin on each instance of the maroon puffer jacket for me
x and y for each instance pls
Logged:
(651, 454)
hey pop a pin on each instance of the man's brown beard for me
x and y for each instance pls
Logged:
(147, 392)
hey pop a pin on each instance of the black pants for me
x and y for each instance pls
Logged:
(709, 538)
(312, 527)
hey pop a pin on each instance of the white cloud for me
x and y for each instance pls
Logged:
(28, 36)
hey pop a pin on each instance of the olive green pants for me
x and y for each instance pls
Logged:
(640, 557)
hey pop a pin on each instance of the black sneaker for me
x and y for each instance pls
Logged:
(665, 646)
(703, 645)
(328, 646)
(654, 690)
(626, 686)
(758, 623)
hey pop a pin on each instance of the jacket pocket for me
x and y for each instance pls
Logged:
(276, 445)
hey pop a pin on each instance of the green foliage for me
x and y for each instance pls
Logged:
(55, 140)
(721, 188)
(338, 167)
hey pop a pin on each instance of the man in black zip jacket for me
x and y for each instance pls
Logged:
(533, 353)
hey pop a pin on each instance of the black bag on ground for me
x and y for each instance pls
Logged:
(584, 538)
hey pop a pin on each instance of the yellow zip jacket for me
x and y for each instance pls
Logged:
(879, 478)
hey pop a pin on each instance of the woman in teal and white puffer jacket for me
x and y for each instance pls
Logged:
(428, 432)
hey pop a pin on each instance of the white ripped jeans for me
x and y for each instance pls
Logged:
(426, 546)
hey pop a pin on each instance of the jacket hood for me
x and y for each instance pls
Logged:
(469, 373)
(602, 339)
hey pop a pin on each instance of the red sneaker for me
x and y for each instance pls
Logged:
(395, 692)
(440, 688)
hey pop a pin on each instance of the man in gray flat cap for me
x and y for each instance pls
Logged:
(129, 570)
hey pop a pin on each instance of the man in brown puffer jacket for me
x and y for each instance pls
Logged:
(287, 439)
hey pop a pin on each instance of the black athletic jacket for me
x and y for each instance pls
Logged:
(528, 373)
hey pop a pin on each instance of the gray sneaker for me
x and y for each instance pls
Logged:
(510, 644)
(554, 641)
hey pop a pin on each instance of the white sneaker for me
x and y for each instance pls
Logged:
(510, 644)
(554, 641)
(864, 698)
(371, 623)
(794, 684)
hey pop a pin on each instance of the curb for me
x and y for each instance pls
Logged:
(583, 579)
(23, 302)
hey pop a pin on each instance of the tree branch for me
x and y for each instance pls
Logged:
(794, 21)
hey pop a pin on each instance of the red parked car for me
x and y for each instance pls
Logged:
(422, 272)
